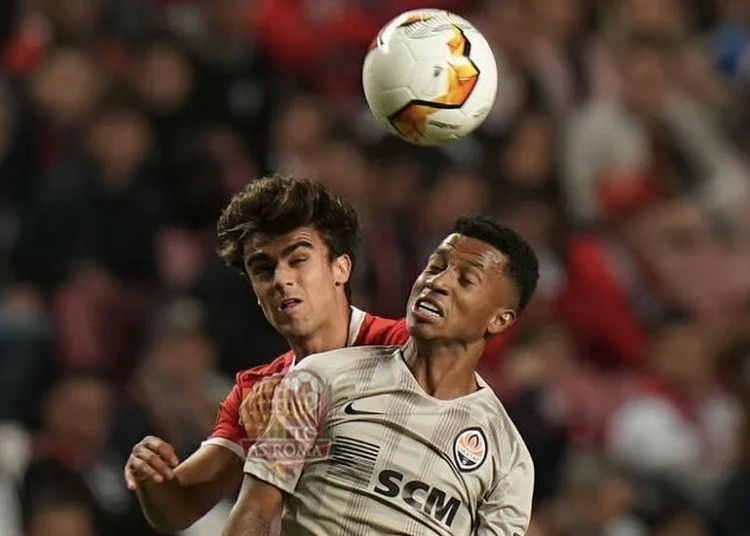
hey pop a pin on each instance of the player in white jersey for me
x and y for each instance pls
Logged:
(405, 440)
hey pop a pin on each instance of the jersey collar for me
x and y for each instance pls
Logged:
(356, 319)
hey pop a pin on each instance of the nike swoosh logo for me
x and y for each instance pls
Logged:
(349, 410)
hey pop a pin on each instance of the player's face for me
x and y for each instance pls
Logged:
(462, 295)
(297, 284)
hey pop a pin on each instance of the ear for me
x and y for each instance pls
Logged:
(342, 269)
(501, 321)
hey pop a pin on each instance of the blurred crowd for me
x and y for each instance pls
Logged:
(616, 146)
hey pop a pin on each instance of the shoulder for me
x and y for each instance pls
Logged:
(376, 330)
(280, 365)
(328, 365)
(509, 446)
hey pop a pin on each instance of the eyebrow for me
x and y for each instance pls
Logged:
(476, 264)
(442, 253)
(299, 244)
(438, 253)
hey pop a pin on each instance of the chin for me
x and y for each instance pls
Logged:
(295, 330)
(421, 331)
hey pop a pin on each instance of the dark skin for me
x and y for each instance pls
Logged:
(294, 270)
(464, 281)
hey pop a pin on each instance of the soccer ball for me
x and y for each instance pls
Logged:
(430, 77)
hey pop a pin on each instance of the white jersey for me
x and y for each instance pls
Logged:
(361, 449)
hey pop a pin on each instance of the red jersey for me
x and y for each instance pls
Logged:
(364, 330)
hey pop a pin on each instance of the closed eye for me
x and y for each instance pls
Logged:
(434, 268)
(260, 270)
(468, 281)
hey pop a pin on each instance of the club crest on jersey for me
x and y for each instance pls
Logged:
(470, 449)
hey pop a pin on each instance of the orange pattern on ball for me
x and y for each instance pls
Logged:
(411, 120)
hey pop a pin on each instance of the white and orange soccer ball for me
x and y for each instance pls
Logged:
(430, 77)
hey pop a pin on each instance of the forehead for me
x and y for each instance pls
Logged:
(261, 244)
(473, 251)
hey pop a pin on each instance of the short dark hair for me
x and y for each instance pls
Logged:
(276, 205)
(523, 266)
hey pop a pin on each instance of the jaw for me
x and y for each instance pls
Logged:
(290, 327)
(422, 330)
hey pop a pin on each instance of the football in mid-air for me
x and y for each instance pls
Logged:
(430, 77)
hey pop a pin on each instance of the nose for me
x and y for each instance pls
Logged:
(283, 276)
(438, 283)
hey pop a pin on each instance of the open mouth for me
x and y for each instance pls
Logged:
(428, 307)
(289, 304)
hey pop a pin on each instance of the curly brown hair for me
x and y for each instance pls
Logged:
(276, 205)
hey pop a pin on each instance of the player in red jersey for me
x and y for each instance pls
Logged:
(235, 428)
(295, 241)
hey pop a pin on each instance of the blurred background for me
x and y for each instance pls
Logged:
(616, 146)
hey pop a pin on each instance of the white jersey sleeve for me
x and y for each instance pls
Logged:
(506, 511)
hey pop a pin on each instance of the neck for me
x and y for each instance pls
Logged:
(445, 371)
(330, 336)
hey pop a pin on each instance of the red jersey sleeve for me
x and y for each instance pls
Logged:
(227, 431)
